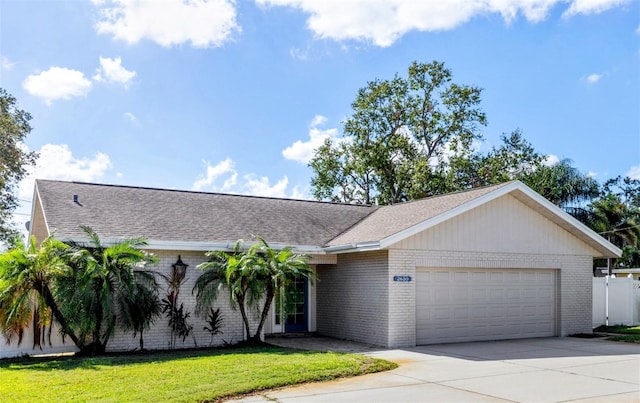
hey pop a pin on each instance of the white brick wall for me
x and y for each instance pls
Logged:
(352, 298)
(158, 336)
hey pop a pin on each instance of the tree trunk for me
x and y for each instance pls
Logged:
(45, 293)
(245, 319)
(265, 312)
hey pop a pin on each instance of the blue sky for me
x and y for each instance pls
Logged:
(233, 96)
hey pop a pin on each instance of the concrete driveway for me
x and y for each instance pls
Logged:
(526, 370)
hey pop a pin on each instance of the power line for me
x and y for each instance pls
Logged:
(619, 229)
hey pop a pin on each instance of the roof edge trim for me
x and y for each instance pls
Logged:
(353, 247)
(198, 246)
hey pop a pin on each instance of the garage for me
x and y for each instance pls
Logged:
(457, 305)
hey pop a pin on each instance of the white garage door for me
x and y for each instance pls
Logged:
(454, 305)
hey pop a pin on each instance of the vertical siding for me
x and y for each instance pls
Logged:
(38, 225)
(353, 298)
(502, 225)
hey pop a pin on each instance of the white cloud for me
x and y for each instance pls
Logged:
(592, 6)
(130, 117)
(593, 78)
(223, 177)
(57, 83)
(214, 172)
(634, 172)
(550, 160)
(56, 161)
(383, 22)
(318, 120)
(6, 64)
(203, 23)
(302, 151)
(261, 186)
(111, 70)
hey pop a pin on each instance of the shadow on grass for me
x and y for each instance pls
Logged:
(68, 363)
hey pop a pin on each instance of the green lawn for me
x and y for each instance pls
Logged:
(629, 334)
(186, 376)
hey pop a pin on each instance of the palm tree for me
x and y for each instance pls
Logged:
(104, 283)
(140, 309)
(28, 277)
(562, 184)
(280, 269)
(230, 270)
(613, 219)
(249, 276)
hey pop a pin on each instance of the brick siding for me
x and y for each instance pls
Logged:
(352, 298)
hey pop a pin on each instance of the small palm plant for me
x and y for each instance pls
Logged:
(215, 323)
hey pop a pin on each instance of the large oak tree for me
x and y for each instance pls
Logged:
(14, 159)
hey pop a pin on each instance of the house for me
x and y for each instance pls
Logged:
(498, 262)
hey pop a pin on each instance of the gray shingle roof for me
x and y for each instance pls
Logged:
(173, 215)
(389, 220)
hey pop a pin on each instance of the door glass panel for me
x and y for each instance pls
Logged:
(296, 310)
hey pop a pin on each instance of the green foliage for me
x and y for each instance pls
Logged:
(215, 322)
(177, 315)
(250, 275)
(178, 321)
(413, 137)
(186, 376)
(141, 307)
(28, 278)
(14, 159)
(562, 184)
(102, 284)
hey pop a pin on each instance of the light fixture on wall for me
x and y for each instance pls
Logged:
(180, 267)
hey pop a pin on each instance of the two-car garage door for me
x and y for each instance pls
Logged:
(454, 305)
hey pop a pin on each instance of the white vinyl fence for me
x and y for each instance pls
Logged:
(624, 301)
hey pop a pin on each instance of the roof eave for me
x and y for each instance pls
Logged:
(353, 247)
(155, 244)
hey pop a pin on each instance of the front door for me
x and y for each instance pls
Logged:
(296, 309)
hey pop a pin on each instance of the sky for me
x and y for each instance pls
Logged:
(233, 96)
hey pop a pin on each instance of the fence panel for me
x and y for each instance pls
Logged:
(624, 301)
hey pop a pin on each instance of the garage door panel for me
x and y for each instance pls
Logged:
(484, 304)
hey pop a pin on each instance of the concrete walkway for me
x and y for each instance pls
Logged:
(526, 370)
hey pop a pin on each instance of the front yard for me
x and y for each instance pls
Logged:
(184, 376)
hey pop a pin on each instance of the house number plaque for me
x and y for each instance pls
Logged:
(402, 279)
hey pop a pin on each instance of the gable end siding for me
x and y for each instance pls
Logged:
(504, 225)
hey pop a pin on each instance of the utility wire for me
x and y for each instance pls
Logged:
(619, 229)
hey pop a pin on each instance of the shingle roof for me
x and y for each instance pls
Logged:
(173, 215)
(390, 220)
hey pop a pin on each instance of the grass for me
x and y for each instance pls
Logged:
(180, 376)
(630, 334)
